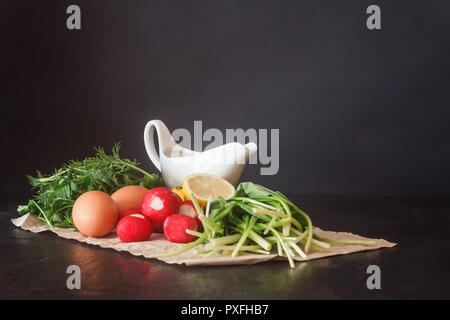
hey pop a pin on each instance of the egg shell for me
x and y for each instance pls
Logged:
(95, 213)
(129, 197)
(134, 228)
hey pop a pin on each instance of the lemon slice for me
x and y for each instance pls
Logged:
(204, 186)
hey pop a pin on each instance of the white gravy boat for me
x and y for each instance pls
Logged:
(175, 162)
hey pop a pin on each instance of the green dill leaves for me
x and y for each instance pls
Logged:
(55, 194)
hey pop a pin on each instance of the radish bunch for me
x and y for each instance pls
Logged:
(162, 211)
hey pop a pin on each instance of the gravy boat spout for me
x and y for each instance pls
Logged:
(175, 162)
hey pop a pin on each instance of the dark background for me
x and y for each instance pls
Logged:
(359, 111)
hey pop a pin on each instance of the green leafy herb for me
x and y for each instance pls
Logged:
(256, 220)
(56, 193)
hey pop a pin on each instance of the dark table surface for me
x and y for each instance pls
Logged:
(33, 266)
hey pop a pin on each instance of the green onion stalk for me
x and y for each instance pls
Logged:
(256, 220)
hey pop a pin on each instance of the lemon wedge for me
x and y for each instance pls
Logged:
(179, 192)
(204, 186)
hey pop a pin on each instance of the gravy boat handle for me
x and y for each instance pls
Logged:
(164, 140)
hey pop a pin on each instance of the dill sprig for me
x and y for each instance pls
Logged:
(56, 193)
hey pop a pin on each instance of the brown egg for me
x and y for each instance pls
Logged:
(129, 197)
(95, 213)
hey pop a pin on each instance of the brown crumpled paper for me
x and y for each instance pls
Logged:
(158, 244)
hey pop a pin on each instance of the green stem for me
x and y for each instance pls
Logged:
(270, 225)
(297, 248)
(212, 252)
(223, 213)
(135, 168)
(43, 213)
(259, 240)
(254, 202)
(194, 233)
(241, 248)
(225, 240)
(208, 224)
(244, 236)
(51, 178)
(184, 248)
(268, 212)
(283, 245)
(360, 242)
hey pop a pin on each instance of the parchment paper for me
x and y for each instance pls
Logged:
(158, 244)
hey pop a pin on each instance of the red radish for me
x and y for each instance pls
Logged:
(129, 212)
(175, 228)
(187, 208)
(158, 204)
(134, 228)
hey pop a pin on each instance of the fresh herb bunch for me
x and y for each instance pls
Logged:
(56, 194)
(256, 220)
